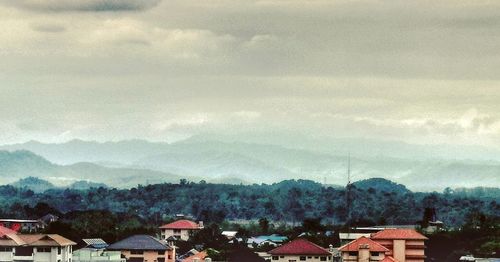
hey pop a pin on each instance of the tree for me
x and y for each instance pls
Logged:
(264, 225)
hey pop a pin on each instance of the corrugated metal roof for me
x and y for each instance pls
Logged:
(95, 243)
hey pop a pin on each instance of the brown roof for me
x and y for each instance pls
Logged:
(5, 231)
(398, 234)
(35, 240)
(356, 244)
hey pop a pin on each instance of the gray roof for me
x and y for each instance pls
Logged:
(139, 242)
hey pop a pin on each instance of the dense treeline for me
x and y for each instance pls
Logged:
(288, 201)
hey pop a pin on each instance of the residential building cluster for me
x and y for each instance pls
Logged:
(373, 244)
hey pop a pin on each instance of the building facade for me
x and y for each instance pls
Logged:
(364, 249)
(35, 248)
(405, 245)
(180, 229)
(97, 255)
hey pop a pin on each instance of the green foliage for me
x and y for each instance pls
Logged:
(288, 201)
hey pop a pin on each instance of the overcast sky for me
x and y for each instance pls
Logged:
(417, 71)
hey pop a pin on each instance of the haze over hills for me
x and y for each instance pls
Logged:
(22, 164)
(132, 162)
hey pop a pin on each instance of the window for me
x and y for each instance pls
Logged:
(136, 252)
(5, 249)
(59, 250)
(24, 251)
(353, 253)
(374, 254)
(177, 231)
(275, 258)
(44, 249)
(161, 252)
(322, 259)
(302, 258)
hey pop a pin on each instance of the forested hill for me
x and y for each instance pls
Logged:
(285, 201)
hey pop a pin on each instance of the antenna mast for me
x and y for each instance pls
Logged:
(348, 195)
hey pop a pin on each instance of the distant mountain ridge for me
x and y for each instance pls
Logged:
(23, 164)
(201, 158)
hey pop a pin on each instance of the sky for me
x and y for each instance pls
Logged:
(423, 72)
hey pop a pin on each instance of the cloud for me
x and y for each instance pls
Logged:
(48, 28)
(84, 5)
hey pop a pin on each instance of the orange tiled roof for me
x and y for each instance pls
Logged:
(201, 255)
(299, 247)
(354, 245)
(181, 224)
(398, 234)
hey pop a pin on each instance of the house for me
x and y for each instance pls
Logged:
(364, 249)
(300, 250)
(229, 234)
(35, 248)
(94, 251)
(180, 229)
(273, 240)
(49, 218)
(198, 257)
(22, 225)
(405, 245)
(143, 248)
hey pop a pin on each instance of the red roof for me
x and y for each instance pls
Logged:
(389, 259)
(398, 234)
(355, 245)
(6, 231)
(181, 224)
(299, 247)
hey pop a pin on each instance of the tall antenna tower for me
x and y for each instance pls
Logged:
(348, 194)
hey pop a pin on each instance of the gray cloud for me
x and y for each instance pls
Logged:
(84, 5)
(409, 70)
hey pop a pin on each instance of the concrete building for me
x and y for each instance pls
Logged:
(94, 251)
(180, 229)
(35, 248)
(364, 249)
(405, 245)
(143, 248)
(300, 250)
(97, 255)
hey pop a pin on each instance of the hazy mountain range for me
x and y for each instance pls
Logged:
(128, 163)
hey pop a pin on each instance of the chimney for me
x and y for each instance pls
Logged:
(200, 224)
(330, 248)
(208, 259)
